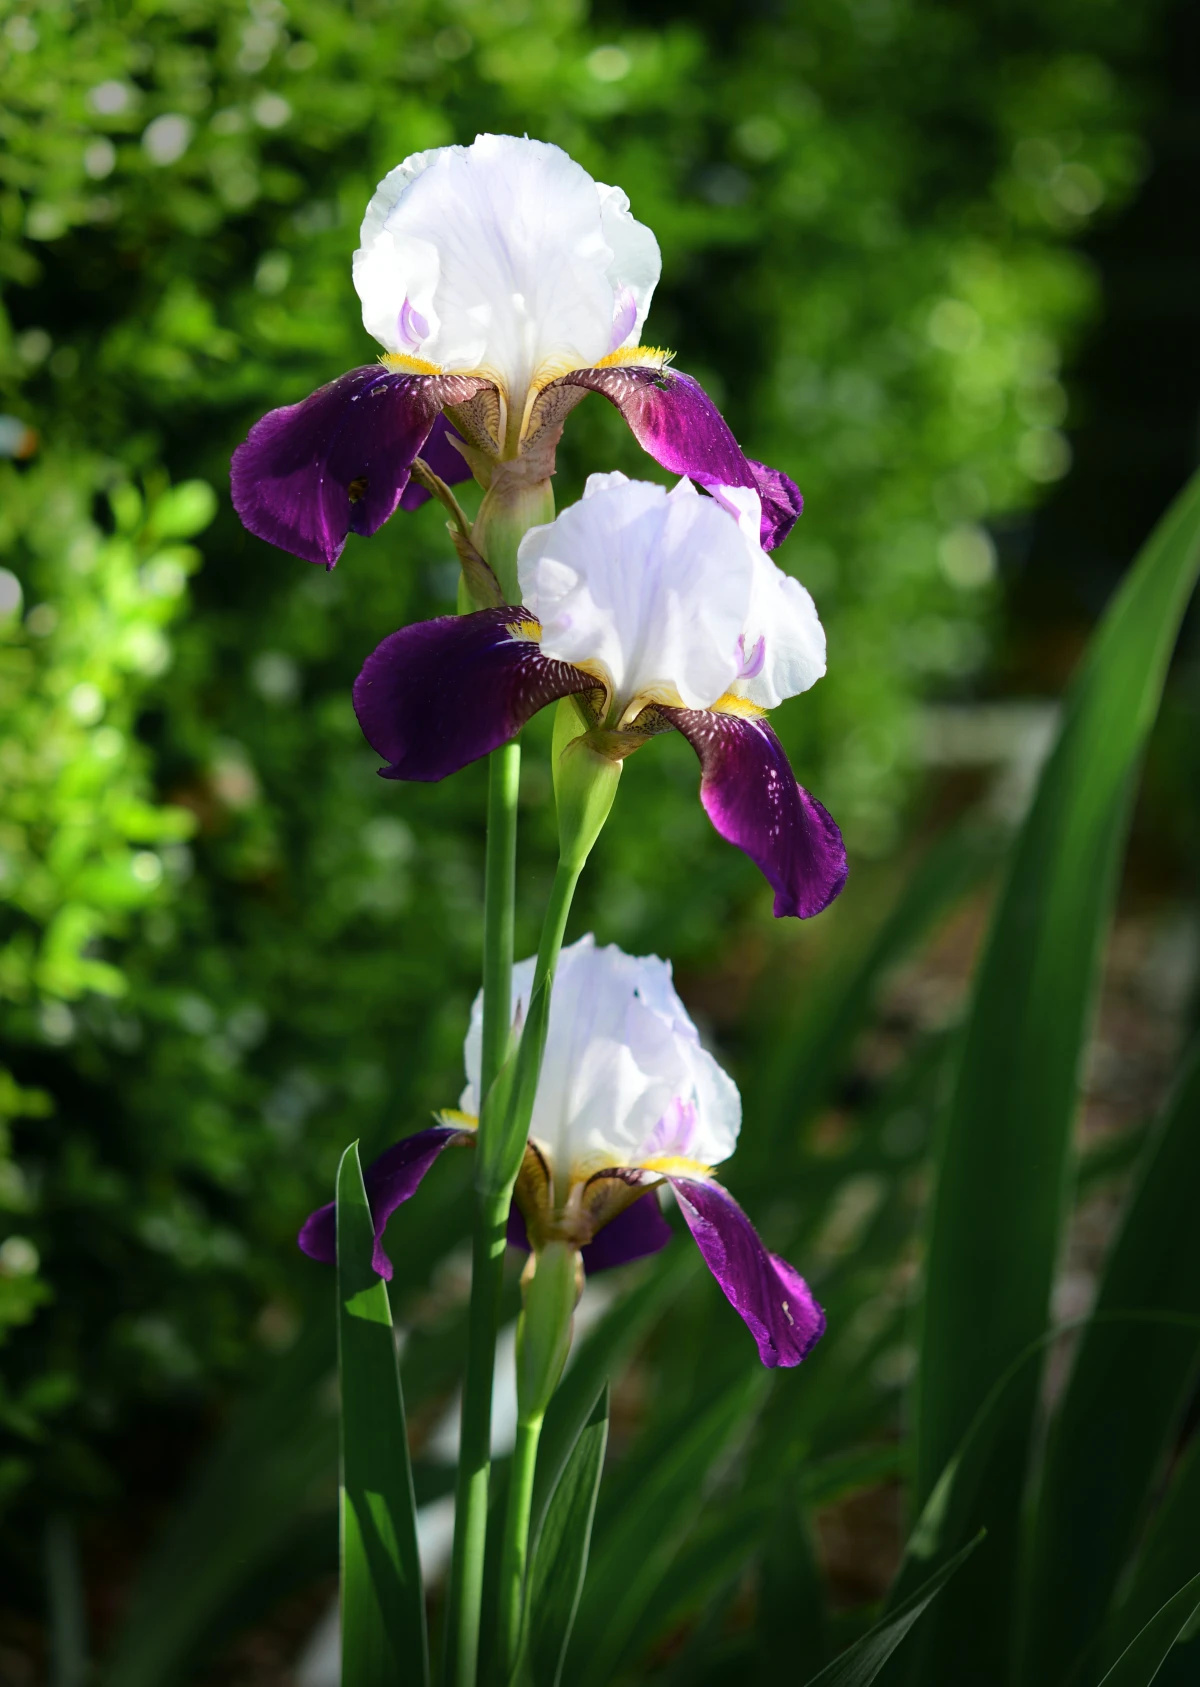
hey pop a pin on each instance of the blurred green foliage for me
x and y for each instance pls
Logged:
(226, 948)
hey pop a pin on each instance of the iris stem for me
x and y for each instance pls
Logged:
(504, 779)
(465, 1592)
(514, 1551)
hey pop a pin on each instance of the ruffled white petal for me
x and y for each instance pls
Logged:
(515, 260)
(649, 588)
(624, 1081)
(670, 598)
(783, 625)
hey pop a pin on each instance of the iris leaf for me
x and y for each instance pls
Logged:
(1004, 1158)
(646, 1514)
(1145, 1655)
(1129, 1385)
(596, 1362)
(864, 1660)
(560, 1555)
(383, 1602)
(1169, 1557)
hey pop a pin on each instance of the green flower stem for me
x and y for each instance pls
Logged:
(460, 1663)
(514, 1549)
(504, 778)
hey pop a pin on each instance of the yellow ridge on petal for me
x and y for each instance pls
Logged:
(638, 357)
(406, 365)
(731, 705)
(668, 1164)
(531, 629)
(460, 1121)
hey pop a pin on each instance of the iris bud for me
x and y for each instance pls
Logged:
(550, 1290)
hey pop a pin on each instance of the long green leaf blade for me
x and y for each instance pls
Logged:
(1004, 1155)
(383, 1602)
(1145, 1655)
(864, 1660)
(1169, 1557)
(595, 1364)
(1129, 1384)
(561, 1555)
(660, 1494)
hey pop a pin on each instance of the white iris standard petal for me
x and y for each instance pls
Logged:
(515, 259)
(649, 588)
(625, 1080)
(670, 597)
(783, 640)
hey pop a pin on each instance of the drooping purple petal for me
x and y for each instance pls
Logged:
(441, 693)
(782, 502)
(751, 796)
(772, 1299)
(445, 461)
(338, 462)
(672, 417)
(636, 1232)
(390, 1181)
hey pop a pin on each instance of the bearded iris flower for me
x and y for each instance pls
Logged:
(628, 1100)
(504, 284)
(655, 611)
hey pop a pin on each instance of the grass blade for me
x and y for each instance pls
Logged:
(383, 1602)
(864, 1660)
(561, 1553)
(1128, 1388)
(1004, 1155)
(1145, 1655)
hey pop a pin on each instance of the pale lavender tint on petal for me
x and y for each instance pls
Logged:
(673, 418)
(673, 1134)
(390, 1181)
(751, 796)
(443, 458)
(636, 1232)
(771, 1298)
(781, 501)
(624, 317)
(749, 667)
(412, 328)
(338, 462)
(440, 694)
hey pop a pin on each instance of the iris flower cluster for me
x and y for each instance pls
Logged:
(504, 285)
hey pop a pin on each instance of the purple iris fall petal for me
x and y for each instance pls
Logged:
(439, 694)
(636, 1232)
(338, 462)
(773, 1300)
(751, 796)
(782, 503)
(672, 417)
(446, 462)
(390, 1181)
